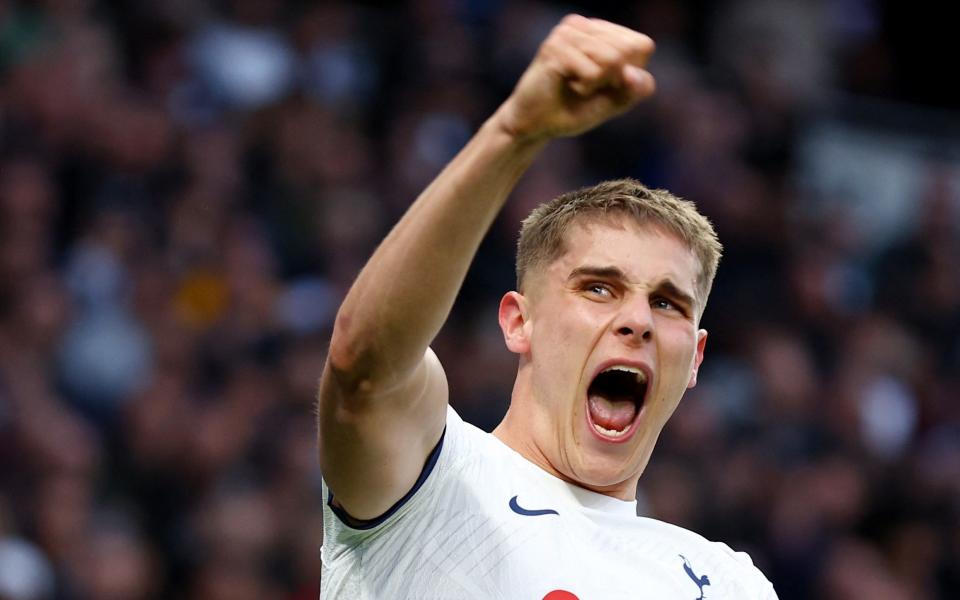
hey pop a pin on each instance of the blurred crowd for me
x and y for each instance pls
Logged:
(187, 189)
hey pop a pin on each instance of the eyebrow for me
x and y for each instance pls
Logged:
(592, 271)
(670, 289)
(666, 286)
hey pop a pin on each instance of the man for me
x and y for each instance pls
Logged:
(612, 282)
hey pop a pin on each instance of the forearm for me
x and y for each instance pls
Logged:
(405, 292)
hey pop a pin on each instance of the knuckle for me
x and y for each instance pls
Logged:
(553, 44)
(607, 56)
(591, 70)
(645, 43)
(638, 51)
(561, 33)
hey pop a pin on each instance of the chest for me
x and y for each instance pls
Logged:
(525, 547)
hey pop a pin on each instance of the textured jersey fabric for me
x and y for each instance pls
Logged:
(485, 523)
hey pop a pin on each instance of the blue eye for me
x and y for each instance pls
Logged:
(599, 289)
(664, 304)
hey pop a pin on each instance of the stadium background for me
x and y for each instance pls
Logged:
(187, 189)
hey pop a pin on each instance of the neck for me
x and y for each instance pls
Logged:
(520, 430)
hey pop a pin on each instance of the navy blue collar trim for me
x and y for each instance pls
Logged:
(364, 524)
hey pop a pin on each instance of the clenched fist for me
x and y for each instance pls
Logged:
(586, 71)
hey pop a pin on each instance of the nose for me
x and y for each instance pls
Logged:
(634, 325)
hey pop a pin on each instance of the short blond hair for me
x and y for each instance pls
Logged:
(542, 233)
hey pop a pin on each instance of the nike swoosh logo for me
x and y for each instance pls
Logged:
(530, 513)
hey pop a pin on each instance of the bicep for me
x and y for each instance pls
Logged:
(373, 445)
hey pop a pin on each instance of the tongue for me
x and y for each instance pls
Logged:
(612, 413)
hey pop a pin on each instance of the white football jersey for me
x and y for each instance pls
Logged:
(485, 523)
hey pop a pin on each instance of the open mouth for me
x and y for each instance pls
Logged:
(614, 400)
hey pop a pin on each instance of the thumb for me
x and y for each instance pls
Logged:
(640, 82)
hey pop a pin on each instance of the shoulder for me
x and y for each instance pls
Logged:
(462, 448)
(466, 444)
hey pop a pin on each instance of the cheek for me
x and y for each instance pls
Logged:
(681, 336)
(566, 326)
(560, 347)
(678, 351)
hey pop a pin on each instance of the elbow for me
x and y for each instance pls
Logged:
(367, 362)
(350, 360)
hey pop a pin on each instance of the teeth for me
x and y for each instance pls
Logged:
(640, 375)
(612, 432)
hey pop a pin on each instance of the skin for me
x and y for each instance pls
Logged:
(383, 394)
(621, 292)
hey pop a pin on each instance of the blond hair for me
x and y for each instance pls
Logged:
(542, 233)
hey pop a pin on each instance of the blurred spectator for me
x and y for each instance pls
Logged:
(243, 61)
(25, 573)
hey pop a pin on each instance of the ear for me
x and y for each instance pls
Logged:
(698, 359)
(514, 322)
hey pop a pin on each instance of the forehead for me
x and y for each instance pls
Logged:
(642, 251)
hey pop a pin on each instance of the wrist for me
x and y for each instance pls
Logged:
(504, 123)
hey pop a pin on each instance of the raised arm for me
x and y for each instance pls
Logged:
(383, 393)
